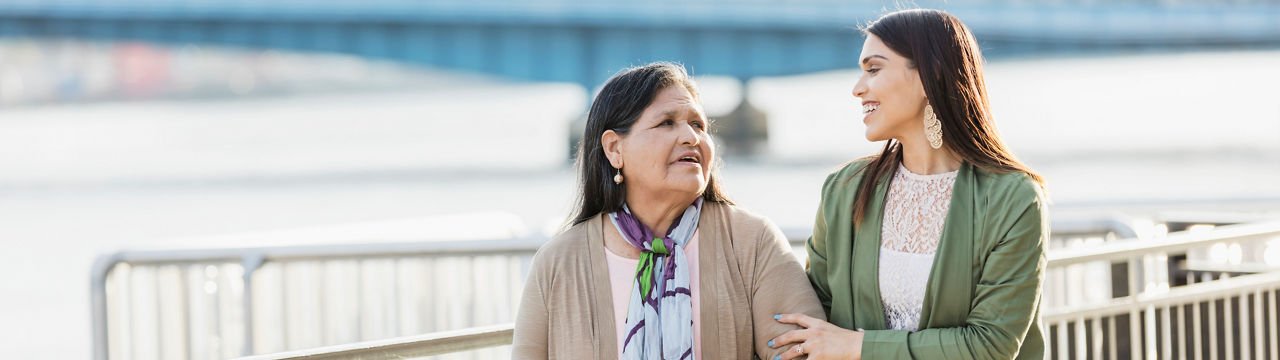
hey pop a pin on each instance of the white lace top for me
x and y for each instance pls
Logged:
(915, 209)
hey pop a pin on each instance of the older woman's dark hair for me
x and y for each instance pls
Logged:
(617, 107)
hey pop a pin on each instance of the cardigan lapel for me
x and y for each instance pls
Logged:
(868, 310)
(953, 262)
(711, 240)
(603, 326)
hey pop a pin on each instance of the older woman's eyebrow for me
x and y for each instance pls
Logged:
(867, 59)
(676, 113)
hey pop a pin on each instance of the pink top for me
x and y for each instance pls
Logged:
(622, 272)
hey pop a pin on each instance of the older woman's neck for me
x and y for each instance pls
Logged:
(657, 213)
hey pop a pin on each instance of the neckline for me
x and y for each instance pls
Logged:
(902, 170)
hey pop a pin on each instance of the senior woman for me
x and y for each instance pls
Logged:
(657, 263)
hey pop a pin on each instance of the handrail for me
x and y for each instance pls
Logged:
(1120, 250)
(437, 343)
(1180, 295)
(497, 335)
(252, 258)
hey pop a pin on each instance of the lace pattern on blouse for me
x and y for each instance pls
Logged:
(915, 209)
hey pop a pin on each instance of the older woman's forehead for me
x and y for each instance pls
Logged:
(675, 103)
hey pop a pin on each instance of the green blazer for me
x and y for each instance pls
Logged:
(983, 294)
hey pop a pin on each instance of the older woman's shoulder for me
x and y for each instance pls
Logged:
(576, 236)
(565, 248)
(739, 217)
(746, 221)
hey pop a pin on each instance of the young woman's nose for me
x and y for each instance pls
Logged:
(860, 88)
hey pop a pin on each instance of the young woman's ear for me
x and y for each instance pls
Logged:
(612, 144)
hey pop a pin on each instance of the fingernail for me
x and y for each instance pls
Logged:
(777, 317)
(770, 343)
(777, 357)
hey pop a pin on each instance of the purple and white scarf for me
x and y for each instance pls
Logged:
(660, 310)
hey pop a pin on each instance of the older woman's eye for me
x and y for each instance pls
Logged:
(667, 122)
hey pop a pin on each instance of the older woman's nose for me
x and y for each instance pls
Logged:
(689, 135)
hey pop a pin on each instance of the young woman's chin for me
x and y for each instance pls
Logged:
(874, 136)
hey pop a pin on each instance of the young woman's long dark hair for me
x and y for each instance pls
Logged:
(617, 107)
(947, 57)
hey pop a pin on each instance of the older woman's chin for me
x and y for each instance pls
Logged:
(693, 186)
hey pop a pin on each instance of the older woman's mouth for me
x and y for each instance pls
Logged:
(689, 158)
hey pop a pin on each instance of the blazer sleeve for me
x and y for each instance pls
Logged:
(816, 248)
(1005, 301)
(531, 327)
(780, 288)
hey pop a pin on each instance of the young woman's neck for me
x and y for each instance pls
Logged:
(920, 158)
(657, 212)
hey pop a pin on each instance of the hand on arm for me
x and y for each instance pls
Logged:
(818, 339)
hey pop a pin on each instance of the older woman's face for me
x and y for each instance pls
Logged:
(668, 149)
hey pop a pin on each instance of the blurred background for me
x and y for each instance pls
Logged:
(178, 139)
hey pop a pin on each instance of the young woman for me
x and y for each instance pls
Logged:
(934, 248)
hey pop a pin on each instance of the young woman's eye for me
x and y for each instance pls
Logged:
(873, 70)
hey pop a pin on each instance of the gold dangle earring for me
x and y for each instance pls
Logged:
(617, 178)
(932, 127)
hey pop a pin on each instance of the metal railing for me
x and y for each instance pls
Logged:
(1182, 323)
(444, 342)
(273, 299)
(1151, 312)
(344, 284)
(1133, 326)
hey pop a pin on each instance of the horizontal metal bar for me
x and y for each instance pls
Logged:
(405, 347)
(1176, 242)
(1178, 296)
(396, 244)
(324, 251)
(795, 235)
(477, 338)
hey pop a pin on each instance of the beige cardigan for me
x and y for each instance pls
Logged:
(748, 274)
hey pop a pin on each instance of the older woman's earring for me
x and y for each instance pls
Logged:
(617, 178)
(932, 127)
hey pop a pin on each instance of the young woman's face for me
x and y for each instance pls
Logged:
(892, 95)
(668, 149)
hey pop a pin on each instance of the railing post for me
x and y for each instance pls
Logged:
(98, 301)
(250, 264)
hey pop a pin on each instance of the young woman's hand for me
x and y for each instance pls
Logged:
(818, 339)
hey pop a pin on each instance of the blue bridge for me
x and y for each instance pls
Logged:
(584, 42)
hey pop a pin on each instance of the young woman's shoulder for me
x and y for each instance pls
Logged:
(1012, 187)
(845, 177)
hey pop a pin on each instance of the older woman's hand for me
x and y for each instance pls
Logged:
(819, 339)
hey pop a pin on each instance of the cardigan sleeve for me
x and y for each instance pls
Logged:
(779, 288)
(1005, 301)
(531, 327)
(816, 248)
